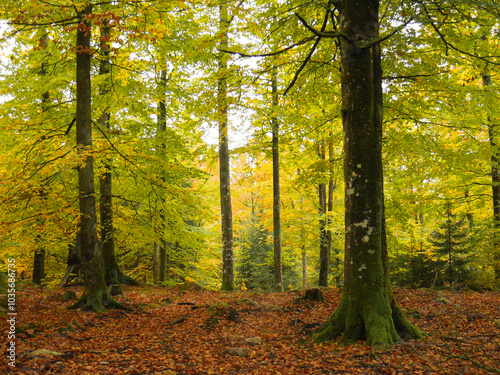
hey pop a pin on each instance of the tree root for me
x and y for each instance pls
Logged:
(117, 276)
(97, 301)
(373, 323)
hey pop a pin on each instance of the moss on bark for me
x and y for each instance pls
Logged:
(375, 319)
(227, 286)
(97, 300)
(115, 275)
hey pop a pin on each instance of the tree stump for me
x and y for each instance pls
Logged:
(314, 295)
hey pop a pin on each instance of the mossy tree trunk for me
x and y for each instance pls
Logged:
(224, 173)
(367, 309)
(95, 296)
(112, 271)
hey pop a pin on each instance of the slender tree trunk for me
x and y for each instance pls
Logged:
(162, 127)
(324, 253)
(304, 264)
(493, 130)
(95, 296)
(450, 245)
(331, 188)
(224, 174)
(112, 271)
(367, 309)
(278, 272)
(156, 253)
(39, 263)
(303, 247)
(39, 256)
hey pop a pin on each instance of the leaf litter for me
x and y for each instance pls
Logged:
(176, 331)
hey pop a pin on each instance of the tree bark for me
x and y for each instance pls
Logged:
(162, 127)
(95, 296)
(332, 186)
(367, 309)
(324, 250)
(495, 184)
(303, 247)
(224, 173)
(112, 271)
(39, 256)
(278, 269)
(156, 253)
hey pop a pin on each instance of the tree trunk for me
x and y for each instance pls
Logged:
(367, 309)
(324, 253)
(332, 185)
(450, 244)
(303, 247)
(39, 256)
(304, 266)
(278, 272)
(112, 271)
(162, 127)
(95, 296)
(156, 253)
(39, 265)
(224, 174)
(495, 184)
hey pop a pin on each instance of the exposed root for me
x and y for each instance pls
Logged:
(97, 301)
(117, 276)
(372, 322)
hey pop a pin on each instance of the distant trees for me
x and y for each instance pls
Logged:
(255, 261)
(443, 255)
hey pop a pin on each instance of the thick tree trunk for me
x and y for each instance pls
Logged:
(278, 272)
(367, 309)
(493, 130)
(112, 271)
(224, 174)
(95, 296)
(324, 250)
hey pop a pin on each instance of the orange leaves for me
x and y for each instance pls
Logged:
(462, 335)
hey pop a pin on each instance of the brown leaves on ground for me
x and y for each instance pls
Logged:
(174, 331)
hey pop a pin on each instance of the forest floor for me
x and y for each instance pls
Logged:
(176, 331)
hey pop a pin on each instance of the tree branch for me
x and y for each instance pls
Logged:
(323, 33)
(303, 41)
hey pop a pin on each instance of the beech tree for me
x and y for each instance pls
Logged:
(95, 296)
(278, 272)
(367, 308)
(112, 270)
(224, 174)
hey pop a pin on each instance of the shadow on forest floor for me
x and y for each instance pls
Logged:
(175, 331)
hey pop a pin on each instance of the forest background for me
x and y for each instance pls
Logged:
(161, 97)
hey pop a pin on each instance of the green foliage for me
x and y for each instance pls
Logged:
(450, 243)
(255, 255)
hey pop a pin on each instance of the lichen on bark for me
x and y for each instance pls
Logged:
(367, 310)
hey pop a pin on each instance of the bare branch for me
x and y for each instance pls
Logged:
(303, 41)
(322, 33)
